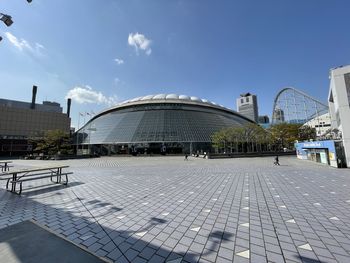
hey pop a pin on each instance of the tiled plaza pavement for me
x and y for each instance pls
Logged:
(165, 209)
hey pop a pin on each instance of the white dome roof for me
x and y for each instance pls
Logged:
(184, 97)
(148, 97)
(170, 97)
(159, 97)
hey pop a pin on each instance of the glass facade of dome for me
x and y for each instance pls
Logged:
(156, 123)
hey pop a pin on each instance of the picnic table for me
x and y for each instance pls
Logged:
(19, 176)
(5, 165)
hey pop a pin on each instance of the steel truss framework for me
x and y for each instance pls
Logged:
(294, 106)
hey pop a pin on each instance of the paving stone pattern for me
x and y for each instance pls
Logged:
(165, 209)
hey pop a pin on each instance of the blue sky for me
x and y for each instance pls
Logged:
(104, 52)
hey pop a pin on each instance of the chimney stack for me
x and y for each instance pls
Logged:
(35, 88)
(69, 101)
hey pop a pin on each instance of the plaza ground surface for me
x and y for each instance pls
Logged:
(165, 209)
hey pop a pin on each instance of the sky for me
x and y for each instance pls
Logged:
(103, 52)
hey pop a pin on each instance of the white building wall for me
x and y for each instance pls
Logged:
(340, 107)
(321, 124)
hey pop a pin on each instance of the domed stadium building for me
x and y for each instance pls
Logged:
(163, 123)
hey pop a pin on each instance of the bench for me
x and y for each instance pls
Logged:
(20, 176)
(5, 165)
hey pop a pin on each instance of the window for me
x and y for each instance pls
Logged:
(347, 85)
(242, 101)
(247, 99)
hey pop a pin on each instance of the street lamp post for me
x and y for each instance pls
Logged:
(6, 19)
(78, 134)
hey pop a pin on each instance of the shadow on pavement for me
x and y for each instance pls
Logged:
(115, 244)
(28, 242)
(46, 188)
(309, 260)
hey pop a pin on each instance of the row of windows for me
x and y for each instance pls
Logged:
(246, 99)
(323, 125)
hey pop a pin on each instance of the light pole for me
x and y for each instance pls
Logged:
(7, 19)
(78, 134)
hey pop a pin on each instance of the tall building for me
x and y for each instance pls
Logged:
(247, 105)
(20, 121)
(339, 105)
(278, 116)
(264, 119)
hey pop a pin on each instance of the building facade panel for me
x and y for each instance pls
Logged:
(339, 105)
(20, 121)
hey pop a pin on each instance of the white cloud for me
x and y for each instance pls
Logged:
(24, 45)
(20, 44)
(85, 95)
(139, 41)
(119, 61)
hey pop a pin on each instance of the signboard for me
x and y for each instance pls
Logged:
(320, 148)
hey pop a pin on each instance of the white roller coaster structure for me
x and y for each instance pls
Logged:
(294, 106)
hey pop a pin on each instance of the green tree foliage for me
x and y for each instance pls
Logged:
(284, 135)
(54, 142)
(248, 138)
(253, 138)
(306, 133)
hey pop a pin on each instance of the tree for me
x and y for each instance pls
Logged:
(248, 138)
(54, 142)
(306, 133)
(284, 134)
(220, 138)
(254, 138)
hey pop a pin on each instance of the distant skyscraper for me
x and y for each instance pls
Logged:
(264, 119)
(247, 105)
(278, 116)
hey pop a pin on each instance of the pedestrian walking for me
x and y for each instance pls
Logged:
(276, 162)
(186, 157)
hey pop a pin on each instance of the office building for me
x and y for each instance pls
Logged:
(20, 121)
(247, 105)
(278, 116)
(264, 121)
